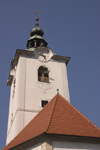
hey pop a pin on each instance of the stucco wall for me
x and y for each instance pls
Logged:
(36, 91)
(13, 104)
(58, 145)
(29, 92)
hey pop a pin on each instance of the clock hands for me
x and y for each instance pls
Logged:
(43, 56)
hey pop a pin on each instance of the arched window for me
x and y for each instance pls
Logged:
(43, 74)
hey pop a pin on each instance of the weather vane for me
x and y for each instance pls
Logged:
(37, 19)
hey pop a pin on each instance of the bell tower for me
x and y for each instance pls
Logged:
(35, 75)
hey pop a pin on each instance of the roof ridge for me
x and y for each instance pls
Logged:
(80, 113)
(49, 122)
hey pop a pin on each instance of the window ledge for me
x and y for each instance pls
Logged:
(44, 82)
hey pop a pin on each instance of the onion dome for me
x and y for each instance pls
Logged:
(36, 38)
(37, 31)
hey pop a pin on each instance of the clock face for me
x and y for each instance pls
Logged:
(43, 53)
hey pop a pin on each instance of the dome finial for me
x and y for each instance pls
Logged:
(37, 19)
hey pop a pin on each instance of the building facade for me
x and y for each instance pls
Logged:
(35, 75)
(38, 77)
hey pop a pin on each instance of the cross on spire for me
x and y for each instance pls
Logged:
(36, 12)
(37, 19)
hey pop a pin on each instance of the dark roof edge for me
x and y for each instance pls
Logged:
(45, 136)
(9, 81)
(74, 137)
(28, 143)
(58, 57)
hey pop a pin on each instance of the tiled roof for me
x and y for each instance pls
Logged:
(57, 117)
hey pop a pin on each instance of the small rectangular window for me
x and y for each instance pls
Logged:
(43, 103)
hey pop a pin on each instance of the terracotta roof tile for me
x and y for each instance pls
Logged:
(57, 117)
(68, 120)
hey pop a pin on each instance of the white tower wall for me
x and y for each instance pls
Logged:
(26, 96)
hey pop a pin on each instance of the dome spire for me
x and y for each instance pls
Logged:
(36, 34)
(37, 19)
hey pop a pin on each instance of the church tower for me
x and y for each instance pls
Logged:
(35, 75)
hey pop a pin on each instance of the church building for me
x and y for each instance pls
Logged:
(41, 116)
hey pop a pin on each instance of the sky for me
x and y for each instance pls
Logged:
(71, 28)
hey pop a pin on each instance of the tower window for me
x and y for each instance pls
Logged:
(43, 103)
(43, 74)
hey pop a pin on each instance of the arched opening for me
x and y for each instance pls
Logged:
(43, 74)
